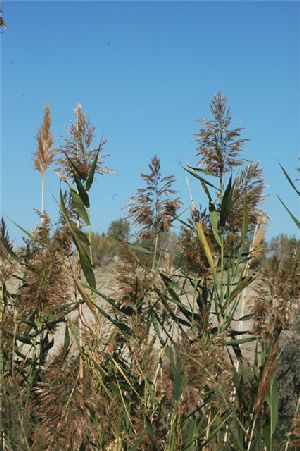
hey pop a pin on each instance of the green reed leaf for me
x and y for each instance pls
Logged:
(90, 178)
(81, 190)
(296, 221)
(290, 180)
(139, 248)
(83, 256)
(177, 382)
(244, 230)
(80, 234)
(240, 341)
(197, 176)
(30, 235)
(273, 402)
(77, 175)
(12, 254)
(214, 220)
(80, 207)
(226, 205)
(204, 171)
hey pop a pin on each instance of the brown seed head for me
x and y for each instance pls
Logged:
(45, 153)
(219, 146)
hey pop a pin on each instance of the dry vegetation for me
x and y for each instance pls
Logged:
(171, 358)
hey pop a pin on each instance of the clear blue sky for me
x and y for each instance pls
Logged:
(144, 72)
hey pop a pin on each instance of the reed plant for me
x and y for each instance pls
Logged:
(171, 358)
(153, 208)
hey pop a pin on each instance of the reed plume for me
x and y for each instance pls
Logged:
(48, 280)
(151, 208)
(249, 183)
(277, 294)
(67, 408)
(192, 256)
(78, 154)
(45, 153)
(219, 146)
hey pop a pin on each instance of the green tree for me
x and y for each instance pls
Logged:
(119, 229)
(282, 245)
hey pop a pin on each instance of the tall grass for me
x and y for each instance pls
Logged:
(171, 358)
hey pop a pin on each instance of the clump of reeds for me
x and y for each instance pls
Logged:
(192, 258)
(47, 274)
(277, 292)
(7, 263)
(165, 363)
(67, 408)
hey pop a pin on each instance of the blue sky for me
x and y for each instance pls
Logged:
(144, 72)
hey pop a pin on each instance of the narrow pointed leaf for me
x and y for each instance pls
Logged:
(296, 221)
(90, 178)
(86, 298)
(80, 188)
(176, 300)
(214, 223)
(204, 171)
(139, 248)
(83, 256)
(30, 235)
(67, 341)
(245, 219)
(245, 317)
(273, 403)
(290, 180)
(80, 207)
(82, 192)
(120, 325)
(240, 341)
(197, 176)
(204, 242)
(175, 318)
(80, 234)
(124, 310)
(12, 254)
(226, 205)
(177, 382)
(238, 289)
(76, 169)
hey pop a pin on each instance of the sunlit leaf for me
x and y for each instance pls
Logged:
(204, 242)
(197, 176)
(90, 178)
(214, 220)
(290, 180)
(80, 207)
(296, 221)
(83, 256)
